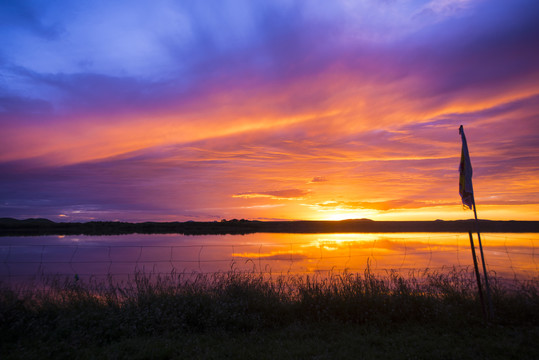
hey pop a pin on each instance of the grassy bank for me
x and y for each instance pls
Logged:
(247, 315)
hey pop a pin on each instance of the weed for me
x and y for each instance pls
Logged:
(151, 306)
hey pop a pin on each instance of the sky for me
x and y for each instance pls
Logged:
(267, 110)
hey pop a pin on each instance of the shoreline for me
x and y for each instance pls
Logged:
(29, 227)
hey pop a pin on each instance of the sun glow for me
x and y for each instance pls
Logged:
(339, 215)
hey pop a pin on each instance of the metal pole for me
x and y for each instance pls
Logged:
(478, 277)
(489, 299)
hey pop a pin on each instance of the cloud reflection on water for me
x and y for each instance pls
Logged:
(507, 255)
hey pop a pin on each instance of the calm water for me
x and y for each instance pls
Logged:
(509, 255)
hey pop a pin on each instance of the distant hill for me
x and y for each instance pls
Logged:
(36, 221)
(14, 227)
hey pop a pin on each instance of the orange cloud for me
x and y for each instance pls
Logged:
(288, 194)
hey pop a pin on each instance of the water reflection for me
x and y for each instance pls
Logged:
(508, 255)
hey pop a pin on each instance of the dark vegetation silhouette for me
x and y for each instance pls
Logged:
(14, 227)
(439, 317)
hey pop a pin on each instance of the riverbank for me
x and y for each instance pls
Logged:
(14, 227)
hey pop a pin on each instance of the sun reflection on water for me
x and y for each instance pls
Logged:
(507, 255)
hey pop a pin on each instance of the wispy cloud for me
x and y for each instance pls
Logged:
(288, 194)
(380, 205)
(318, 179)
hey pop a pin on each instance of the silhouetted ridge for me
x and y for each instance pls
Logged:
(25, 221)
(15, 227)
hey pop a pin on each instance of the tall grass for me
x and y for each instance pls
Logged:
(149, 305)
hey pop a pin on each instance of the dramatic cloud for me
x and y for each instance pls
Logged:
(283, 110)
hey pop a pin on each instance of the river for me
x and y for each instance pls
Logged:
(508, 255)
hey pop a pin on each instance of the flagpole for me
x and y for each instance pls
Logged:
(489, 299)
(478, 277)
(468, 199)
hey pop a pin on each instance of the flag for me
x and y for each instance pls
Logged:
(465, 169)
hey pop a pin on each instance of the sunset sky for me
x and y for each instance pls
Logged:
(284, 109)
